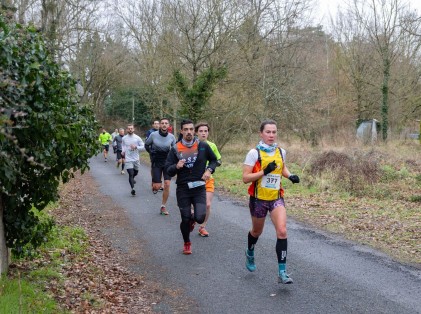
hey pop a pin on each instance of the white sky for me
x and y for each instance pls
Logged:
(325, 8)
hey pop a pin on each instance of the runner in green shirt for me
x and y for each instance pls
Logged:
(105, 138)
(202, 133)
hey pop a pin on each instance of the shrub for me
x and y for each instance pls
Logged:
(351, 173)
(45, 133)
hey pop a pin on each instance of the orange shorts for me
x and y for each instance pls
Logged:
(210, 185)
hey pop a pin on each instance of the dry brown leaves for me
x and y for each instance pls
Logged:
(390, 227)
(98, 283)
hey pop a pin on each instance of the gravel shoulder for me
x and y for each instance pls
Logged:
(105, 274)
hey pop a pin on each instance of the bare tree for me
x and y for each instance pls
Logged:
(375, 46)
(143, 22)
(100, 64)
(355, 59)
(251, 39)
(268, 57)
(381, 21)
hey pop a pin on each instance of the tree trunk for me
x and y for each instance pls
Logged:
(385, 93)
(4, 252)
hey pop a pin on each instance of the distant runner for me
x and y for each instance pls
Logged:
(202, 132)
(158, 145)
(155, 127)
(105, 139)
(113, 135)
(132, 145)
(118, 144)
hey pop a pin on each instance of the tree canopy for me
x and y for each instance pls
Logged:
(279, 62)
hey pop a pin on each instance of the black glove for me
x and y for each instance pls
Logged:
(294, 178)
(270, 167)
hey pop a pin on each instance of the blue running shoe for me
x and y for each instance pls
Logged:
(284, 278)
(251, 266)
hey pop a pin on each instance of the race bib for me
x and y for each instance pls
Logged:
(195, 184)
(271, 181)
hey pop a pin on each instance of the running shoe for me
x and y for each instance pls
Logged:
(251, 266)
(164, 211)
(192, 223)
(203, 232)
(161, 189)
(284, 278)
(105, 160)
(122, 172)
(133, 192)
(187, 248)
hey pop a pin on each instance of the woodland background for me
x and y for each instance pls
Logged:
(234, 63)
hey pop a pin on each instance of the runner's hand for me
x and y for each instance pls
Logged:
(206, 176)
(180, 163)
(294, 178)
(269, 168)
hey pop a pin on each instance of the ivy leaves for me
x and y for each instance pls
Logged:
(194, 99)
(45, 133)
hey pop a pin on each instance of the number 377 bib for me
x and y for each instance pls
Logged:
(271, 181)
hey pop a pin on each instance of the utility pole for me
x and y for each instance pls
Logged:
(133, 110)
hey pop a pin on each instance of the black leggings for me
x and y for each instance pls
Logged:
(185, 199)
(132, 173)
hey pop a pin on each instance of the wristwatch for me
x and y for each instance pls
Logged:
(210, 170)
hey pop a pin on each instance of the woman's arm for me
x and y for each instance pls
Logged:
(249, 176)
(285, 172)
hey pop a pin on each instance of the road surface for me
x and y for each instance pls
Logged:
(331, 275)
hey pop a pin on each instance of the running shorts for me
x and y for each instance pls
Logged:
(158, 173)
(210, 185)
(260, 208)
(132, 165)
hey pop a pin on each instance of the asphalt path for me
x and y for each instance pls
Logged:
(331, 275)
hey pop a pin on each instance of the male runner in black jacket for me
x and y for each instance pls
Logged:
(188, 159)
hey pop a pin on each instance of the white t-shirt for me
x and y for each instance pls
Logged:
(132, 155)
(252, 156)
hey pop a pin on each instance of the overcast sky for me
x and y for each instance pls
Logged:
(326, 7)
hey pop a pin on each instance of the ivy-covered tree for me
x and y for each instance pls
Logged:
(45, 135)
(194, 97)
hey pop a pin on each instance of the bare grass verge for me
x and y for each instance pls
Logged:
(368, 194)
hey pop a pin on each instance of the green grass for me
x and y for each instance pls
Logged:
(72, 239)
(229, 177)
(415, 198)
(23, 296)
(24, 289)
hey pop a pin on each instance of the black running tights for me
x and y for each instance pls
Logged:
(185, 199)
(132, 173)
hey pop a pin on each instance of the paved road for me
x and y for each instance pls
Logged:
(330, 275)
